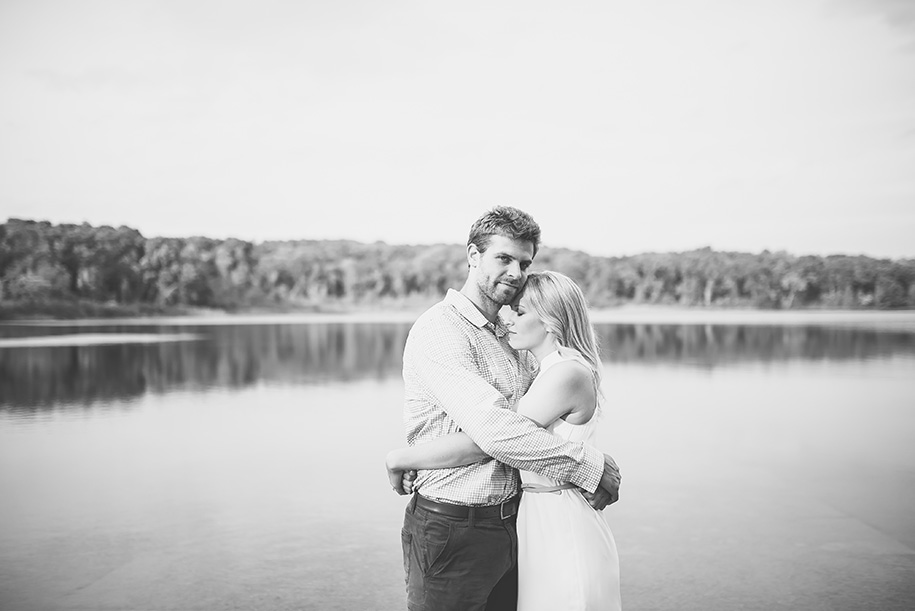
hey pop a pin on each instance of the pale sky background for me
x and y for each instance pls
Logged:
(623, 127)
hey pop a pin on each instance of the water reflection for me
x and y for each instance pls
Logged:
(718, 345)
(243, 355)
(126, 487)
(231, 356)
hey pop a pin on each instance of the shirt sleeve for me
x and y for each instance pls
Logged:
(442, 362)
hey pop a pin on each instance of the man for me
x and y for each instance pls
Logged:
(459, 538)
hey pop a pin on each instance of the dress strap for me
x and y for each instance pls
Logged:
(551, 489)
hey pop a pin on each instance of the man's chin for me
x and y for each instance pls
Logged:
(504, 295)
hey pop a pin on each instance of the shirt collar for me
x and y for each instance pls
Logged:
(460, 302)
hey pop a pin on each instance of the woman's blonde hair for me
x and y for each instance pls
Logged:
(562, 308)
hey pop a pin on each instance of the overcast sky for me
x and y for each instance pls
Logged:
(623, 127)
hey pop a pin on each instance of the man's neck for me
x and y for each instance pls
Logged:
(486, 306)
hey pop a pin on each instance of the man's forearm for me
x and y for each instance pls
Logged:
(541, 452)
(447, 373)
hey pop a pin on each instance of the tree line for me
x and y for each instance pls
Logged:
(41, 261)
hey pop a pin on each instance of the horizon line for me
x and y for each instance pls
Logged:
(543, 245)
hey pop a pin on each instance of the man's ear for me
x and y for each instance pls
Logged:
(473, 255)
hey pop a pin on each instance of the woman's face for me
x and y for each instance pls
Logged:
(525, 329)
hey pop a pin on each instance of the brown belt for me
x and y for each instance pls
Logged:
(503, 510)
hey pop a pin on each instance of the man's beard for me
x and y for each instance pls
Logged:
(500, 294)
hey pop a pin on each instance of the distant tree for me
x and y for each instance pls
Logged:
(29, 271)
(73, 248)
(892, 284)
(115, 264)
(20, 245)
(235, 266)
(39, 260)
(161, 271)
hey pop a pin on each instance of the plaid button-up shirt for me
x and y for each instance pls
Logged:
(460, 374)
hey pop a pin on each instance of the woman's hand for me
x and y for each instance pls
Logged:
(407, 481)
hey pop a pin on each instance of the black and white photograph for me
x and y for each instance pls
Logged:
(457, 306)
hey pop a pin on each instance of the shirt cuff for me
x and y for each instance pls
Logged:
(590, 470)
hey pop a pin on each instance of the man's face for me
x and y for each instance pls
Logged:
(502, 269)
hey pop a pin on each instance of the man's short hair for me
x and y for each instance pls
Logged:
(507, 222)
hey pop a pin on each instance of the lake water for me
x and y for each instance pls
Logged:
(240, 466)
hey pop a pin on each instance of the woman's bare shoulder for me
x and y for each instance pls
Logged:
(568, 371)
(571, 377)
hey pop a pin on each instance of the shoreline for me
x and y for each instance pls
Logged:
(884, 319)
(736, 316)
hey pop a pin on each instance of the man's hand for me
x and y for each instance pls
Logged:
(598, 499)
(608, 491)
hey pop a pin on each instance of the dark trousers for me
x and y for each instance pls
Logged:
(455, 564)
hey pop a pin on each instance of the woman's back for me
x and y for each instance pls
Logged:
(567, 557)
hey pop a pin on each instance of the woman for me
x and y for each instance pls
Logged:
(567, 557)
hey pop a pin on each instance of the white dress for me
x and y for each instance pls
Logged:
(567, 557)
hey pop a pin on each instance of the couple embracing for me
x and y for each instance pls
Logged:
(488, 397)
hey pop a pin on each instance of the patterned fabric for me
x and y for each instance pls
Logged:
(460, 374)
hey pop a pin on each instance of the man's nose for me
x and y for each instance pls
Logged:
(514, 269)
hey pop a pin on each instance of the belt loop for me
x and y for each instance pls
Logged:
(413, 502)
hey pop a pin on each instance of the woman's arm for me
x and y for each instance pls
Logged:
(565, 389)
(451, 450)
